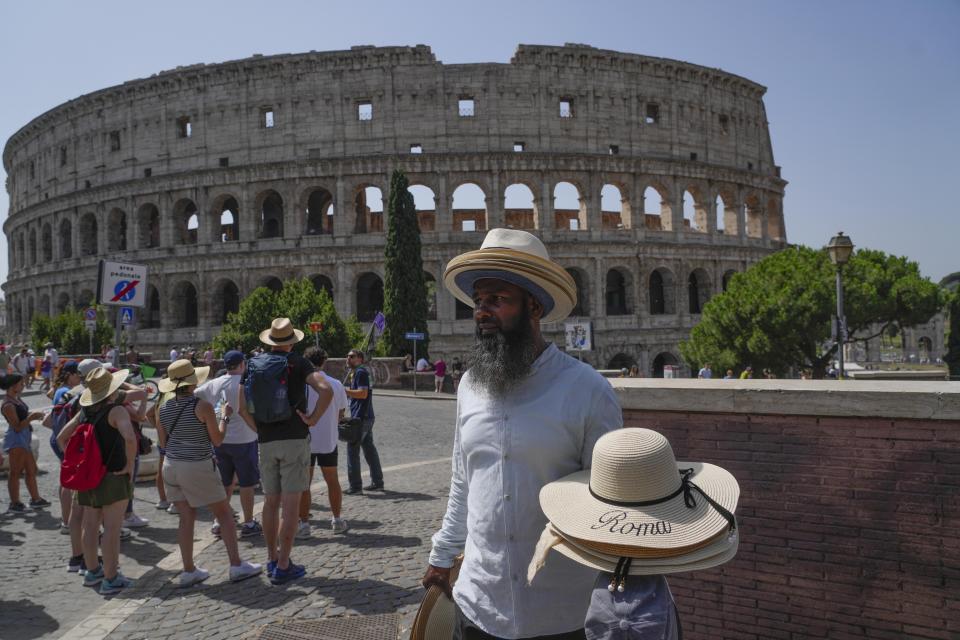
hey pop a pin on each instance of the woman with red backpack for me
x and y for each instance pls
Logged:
(17, 443)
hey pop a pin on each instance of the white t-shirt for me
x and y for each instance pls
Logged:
(223, 390)
(174, 355)
(54, 357)
(323, 435)
(423, 365)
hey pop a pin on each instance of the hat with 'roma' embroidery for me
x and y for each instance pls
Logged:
(519, 258)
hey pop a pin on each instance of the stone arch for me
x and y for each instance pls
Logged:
(657, 217)
(369, 290)
(431, 285)
(225, 216)
(46, 242)
(924, 349)
(66, 239)
(187, 221)
(581, 279)
(322, 283)
(662, 290)
(148, 226)
(618, 292)
(754, 216)
(614, 206)
(425, 204)
(775, 220)
(150, 318)
(727, 277)
(88, 235)
(63, 302)
(32, 247)
(520, 209)
(663, 360)
(269, 204)
(622, 361)
(317, 204)
(226, 299)
(273, 283)
(117, 230)
(466, 216)
(184, 304)
(569, 206)
(698, 290)
(694, 209)
(726, 202)
(368, 209)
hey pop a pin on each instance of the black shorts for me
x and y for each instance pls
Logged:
(324, 459)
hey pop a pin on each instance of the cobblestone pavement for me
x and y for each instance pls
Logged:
(374, 568)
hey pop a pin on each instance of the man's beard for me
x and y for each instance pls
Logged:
(503, 359)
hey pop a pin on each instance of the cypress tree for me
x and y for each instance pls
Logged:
(404, 288)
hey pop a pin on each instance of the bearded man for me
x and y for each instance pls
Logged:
(527, 414)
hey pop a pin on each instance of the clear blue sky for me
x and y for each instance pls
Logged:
(863, 97)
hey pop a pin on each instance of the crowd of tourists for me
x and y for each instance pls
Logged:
(264, 422)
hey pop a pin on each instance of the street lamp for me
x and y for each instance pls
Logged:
(840, 248)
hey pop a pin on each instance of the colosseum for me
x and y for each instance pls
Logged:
(651, 180)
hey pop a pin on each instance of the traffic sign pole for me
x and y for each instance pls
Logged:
(416, 337)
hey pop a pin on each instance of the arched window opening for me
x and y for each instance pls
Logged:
(44, 305)
(775, 220)
(463, 311)
(271, 215)
(368, 210)
(661, 364)
(149, 222)
(727, 277)
(46, 243)
(318, 222)
(754, 215)
(613, 207)
(273, 283)
(33, 247)
(582, 308)
(520, 207)
(694, 213)
(657, 212)
(721, 215)
(185, 309)
(66, 239)
(658, 294)
(226, 300)
(369, 296)
(622, 361)
(86, 299)
(469, 208)
(322, 283)
(569, 208)
(88, 235)
(616, 293)
(117, 226)
(925, 348)
(229, 225)
(185, 215)
(425, 203)
(150, 318)
(698, 290)
(431, 283)
(63, 302)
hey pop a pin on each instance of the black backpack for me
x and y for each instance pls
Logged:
(266, 388)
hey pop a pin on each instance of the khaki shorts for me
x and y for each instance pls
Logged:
(197, 482)
(285, 466)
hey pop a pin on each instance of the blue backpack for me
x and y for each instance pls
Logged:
(266, 387)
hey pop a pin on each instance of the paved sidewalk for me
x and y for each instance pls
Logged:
(374, 568)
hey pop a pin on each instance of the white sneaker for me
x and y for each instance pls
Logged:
(172, 508)
(215, 529)
(134, 521)
(163, 505)
(196, 576)
(125, 533)
(245, 570)
(339, 525)
(303, 531)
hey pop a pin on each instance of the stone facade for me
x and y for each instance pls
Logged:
(225, 177)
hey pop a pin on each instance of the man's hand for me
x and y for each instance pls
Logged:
(440, 577)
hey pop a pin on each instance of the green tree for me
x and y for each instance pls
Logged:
(404, 288)
(68, 332)
(952, 357)
(778, 313)
(298, 301)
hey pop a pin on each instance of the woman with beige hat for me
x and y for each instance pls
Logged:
(190, 475)
(636, 515)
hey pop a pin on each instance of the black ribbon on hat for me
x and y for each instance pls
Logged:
(687, 487)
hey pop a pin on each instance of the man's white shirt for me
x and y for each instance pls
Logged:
(224, 390)
(323, 434)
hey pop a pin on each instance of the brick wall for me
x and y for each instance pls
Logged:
(849, 526)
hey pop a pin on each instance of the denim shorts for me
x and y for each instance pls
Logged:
(240, 459)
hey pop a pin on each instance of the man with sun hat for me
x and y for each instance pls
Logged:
(527, 414)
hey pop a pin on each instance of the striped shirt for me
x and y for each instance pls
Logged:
(187, 437)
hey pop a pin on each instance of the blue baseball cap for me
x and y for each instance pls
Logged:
(231, 359)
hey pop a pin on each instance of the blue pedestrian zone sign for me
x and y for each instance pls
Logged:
(126, 316)
(413, 335)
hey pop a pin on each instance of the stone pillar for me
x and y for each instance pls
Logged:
(293, 217)
(600, 287)
(342, 218)
(590, 204)
(344, 293)
(442, 205)
(544, 214)
(710, 210)
(248, 219)
(103, 231)
(168, 234)
(675, 223)
(494, 203)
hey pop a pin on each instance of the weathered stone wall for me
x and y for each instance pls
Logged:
(117, 173)
(848, 512)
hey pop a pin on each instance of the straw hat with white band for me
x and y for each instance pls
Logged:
(638, 510)
(280, 333)
(101, 384)
(182, 374)
(519, 258)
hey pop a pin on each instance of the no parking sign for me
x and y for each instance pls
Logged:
(122, 284)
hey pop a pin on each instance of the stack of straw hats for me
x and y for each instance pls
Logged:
(638, 511)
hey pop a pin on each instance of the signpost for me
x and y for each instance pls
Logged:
(316, 328)
(579, 337)
(415, 336)
(123, 285)
(90, 320)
